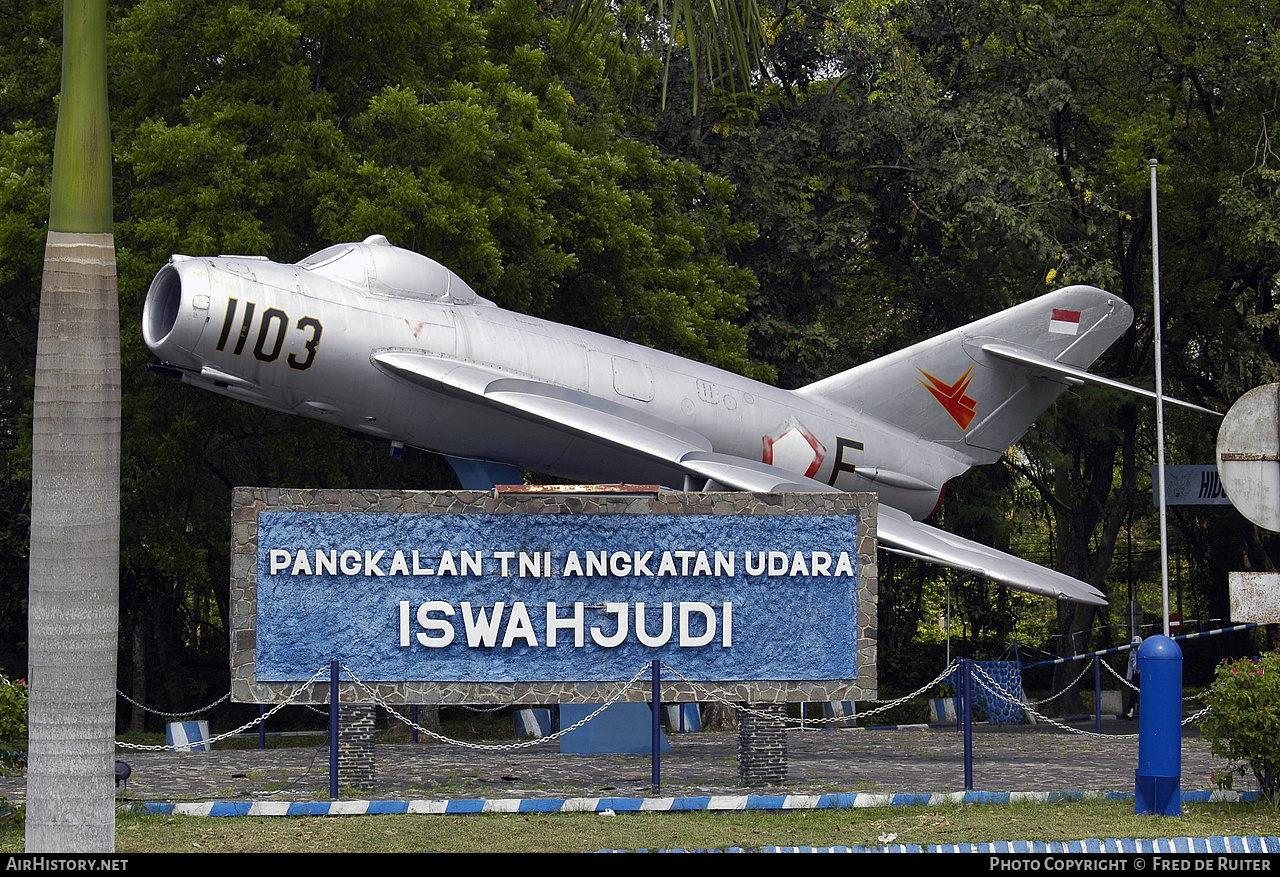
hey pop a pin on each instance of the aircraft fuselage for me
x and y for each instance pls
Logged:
(312, 340)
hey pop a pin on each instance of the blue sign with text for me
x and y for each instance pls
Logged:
(524, 598)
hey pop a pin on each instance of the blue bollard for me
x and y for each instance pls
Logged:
(1158, 788)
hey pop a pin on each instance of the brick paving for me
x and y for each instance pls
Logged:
(906, 760)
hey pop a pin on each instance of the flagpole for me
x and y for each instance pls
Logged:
(1164, 516)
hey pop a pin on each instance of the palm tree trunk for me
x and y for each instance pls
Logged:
(73, 602)
(75, 542)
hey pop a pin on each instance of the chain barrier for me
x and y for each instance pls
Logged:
(631, 683)
(249, 724)
(1051, 698)
(1132, 687)
(715, 698)
(1116, 673)
(1008, 710)
(990, 686)
(493, 747)
(164, 715)
(1199, 714)
(984, 680)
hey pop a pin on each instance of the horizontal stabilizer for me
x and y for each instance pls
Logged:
(1050, 368)
(897, 531)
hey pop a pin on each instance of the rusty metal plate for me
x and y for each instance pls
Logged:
(1249, 455)
(593, 489)
(1255, 597)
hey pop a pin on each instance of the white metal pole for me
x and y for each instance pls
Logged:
(948, 624)
(1155, 283)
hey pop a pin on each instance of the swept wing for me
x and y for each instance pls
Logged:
(682, 449)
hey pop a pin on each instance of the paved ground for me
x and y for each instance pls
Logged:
(905, 760)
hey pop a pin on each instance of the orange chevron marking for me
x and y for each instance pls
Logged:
(954, 397)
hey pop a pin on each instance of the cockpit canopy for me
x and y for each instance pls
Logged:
(374, 264)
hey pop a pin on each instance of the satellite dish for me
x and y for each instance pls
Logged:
(1249, 455)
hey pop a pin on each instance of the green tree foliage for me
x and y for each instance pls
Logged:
(721, 42)
(914, 166)
(26, 158)
(897, 169)
(495, 154)
(13, 738)
(476, 134)
(13, 726)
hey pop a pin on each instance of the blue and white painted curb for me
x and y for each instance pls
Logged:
(1247, 844)
(1251, 844)
(650, 805)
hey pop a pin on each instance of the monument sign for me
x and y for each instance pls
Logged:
(486, 597)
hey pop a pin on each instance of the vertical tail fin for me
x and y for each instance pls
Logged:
(948, 390)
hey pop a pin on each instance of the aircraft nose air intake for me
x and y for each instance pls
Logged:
(172, 316)
(160, 313)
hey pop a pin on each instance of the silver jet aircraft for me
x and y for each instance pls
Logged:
(388, 342)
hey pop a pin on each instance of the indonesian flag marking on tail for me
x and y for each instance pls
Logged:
(1064, 322)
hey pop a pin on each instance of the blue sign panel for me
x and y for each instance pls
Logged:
(526, 597)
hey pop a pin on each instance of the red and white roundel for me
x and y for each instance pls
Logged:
(794, 449)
